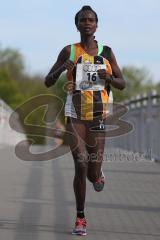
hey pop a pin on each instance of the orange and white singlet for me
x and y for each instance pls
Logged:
(91, 94)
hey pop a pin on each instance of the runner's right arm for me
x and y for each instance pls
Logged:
(63, 63)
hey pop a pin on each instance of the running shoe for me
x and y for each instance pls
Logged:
(80, 227)
(99, 184)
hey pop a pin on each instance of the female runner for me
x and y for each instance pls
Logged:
(91, 71)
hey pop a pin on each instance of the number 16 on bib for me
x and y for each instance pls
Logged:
(87, 77)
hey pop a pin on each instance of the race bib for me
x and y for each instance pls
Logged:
(87, 77)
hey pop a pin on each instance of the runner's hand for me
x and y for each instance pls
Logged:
(69, 87)
(104, 75)
(68, 65)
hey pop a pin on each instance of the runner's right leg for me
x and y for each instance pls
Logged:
(80, 157)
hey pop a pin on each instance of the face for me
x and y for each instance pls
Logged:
(87, 23)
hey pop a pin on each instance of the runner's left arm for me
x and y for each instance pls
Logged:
(117, 80)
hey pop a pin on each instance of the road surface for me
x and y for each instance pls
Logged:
(37, 200)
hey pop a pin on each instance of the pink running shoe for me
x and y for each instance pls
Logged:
(80, 227)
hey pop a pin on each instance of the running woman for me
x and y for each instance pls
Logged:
(92, 70)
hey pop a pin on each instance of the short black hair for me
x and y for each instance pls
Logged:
(85, 8)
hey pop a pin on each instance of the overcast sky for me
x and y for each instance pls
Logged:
(41, 28)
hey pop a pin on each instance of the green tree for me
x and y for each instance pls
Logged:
(16, 86)
(138, 81)
(11, 60)
(158, 87)
(9, 90)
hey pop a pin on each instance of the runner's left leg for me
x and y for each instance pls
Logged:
(95, 148)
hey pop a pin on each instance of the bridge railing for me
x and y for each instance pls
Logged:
(144, 115)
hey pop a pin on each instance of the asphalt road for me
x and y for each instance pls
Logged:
(37, 200)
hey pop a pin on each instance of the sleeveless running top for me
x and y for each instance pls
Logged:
(88, 104)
